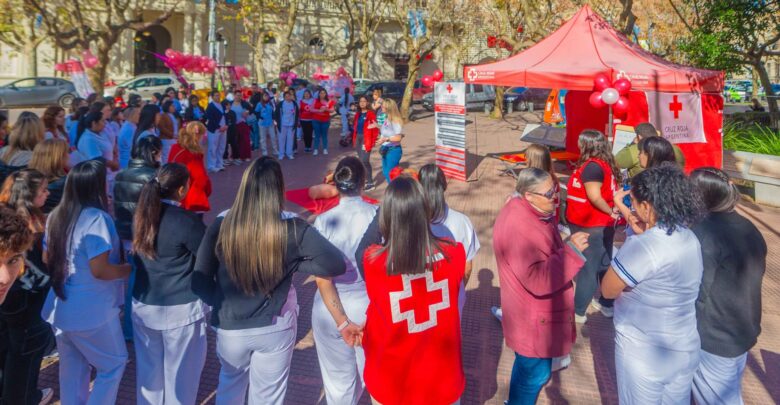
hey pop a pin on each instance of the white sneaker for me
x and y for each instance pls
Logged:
(291, 157)
(580, 318)
(316, 152)
(606, 311)
(324, 151)
(559, 363)
(280, 157)
(496, 311)
(46, 396)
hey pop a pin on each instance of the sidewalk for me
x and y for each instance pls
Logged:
(591, 377)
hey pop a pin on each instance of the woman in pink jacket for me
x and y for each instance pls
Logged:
(536, 268)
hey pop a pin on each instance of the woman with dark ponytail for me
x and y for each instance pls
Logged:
(169, 326)
(84, 257)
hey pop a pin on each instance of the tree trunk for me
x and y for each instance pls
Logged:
(498, 104)
(30, 56)
(771, 100)
(97, 75)
(755, 79)
(414, 68)
(259, 56)
(365, 52)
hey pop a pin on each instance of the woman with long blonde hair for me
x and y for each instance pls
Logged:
(188, 151)
(390, 136)
(52, 158)
(26, 133)
(244, 271)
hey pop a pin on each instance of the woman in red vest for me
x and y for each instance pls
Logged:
(412, 333)
(364, 135)
(589, 208)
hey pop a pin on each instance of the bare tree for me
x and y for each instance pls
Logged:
(79, 25)
(368, 16)
(18, 30)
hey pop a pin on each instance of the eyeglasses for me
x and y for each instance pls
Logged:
(548, 195)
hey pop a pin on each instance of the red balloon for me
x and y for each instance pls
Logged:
(437, 75)
(621, 107)
(623, 86)
(596, 101)
(602, 82)
(427, 81)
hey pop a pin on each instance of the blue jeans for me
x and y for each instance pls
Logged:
(390, 160)
(529, 375)
(254, 136)
(320, 133)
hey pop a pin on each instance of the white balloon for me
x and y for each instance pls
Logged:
(610, 96)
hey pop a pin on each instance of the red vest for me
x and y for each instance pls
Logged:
(412, 334)
(579, 210)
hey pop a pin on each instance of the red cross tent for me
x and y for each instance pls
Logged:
(685, 104)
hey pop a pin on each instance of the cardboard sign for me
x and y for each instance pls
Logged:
(450, 127)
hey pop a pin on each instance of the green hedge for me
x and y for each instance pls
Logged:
(751, 138)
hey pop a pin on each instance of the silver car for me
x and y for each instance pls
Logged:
(145, 85)
(37, 91)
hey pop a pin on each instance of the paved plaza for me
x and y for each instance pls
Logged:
(591, 377)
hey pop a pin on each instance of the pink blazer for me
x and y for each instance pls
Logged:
(536, 269)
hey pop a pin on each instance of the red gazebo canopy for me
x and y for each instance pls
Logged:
(583, 47)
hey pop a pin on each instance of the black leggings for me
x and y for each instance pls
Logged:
(365, 157)
(232, 142)
(308, 131)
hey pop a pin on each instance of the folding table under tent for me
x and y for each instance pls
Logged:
(684, 103)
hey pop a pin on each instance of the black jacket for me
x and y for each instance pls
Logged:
(25, 299)
(167, 279)
(127, 190)
(56, 188)
(728, 309)
(213, 117)
(307, 252)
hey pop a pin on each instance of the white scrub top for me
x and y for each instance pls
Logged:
(664, 273)
(458, 227)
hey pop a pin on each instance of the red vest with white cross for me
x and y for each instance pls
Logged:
(579, 210)
(412, 334)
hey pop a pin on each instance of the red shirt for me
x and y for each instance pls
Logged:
(197, 198)
(322, 116)
(305, 110)
(412, 334)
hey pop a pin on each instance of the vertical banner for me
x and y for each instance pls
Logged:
(678, 116)
(450, 114)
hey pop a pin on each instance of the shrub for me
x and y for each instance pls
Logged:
(751, 138)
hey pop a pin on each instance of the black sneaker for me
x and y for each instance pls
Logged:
(369, 187)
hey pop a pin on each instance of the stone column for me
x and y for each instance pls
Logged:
(197, 36)
(188, 38)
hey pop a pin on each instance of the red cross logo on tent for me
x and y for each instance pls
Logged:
(449, 88)
(675, 107)
(472, 74)
(420, 301)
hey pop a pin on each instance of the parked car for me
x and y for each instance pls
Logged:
(522, 97)
(419, 91)
(145, 85)
(37, 91)
(477, 96)
(393, 90)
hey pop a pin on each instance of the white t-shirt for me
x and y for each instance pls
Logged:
(344, 226)
(664, 273)
(389, 129)
(89, 302)
(457, 226)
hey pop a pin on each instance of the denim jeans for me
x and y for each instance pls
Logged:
(21, 351)
(321, 134)
(598, 255)
(127, 319)
(529, 375)
(390, 160)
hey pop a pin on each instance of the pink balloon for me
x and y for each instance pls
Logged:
(169, 53)
(427, 81)
(91, 62)
(596, 101)
(601, 82)
(289, 81)
(623, 86)
(437, 75)
(621, 107)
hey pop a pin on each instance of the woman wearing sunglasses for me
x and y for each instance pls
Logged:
(536, 268)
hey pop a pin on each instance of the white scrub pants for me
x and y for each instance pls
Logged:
(269, 132)
(286, 138)
(648, 374)
(213, 151)
(341, 365)
(718, 380)
(169, 363)
(259, 362)
(221, 146)
(167, 144)
(102, 348)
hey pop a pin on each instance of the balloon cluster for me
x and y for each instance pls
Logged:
(90, 60)
(336, 83)
(429, 80)
(242, 72)
(608, 93)
(69, 66)
(288, 77)
(493, 42)
(319, 76)
(191, 63)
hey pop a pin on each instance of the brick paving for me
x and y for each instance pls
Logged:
(591, 377)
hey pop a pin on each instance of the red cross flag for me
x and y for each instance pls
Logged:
(677, 116)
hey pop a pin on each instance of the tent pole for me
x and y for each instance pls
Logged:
(609, 124)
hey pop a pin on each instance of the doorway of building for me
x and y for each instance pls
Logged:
(155, 39)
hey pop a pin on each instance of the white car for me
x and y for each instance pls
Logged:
(145, 85)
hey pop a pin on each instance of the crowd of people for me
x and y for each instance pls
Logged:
(103, 209)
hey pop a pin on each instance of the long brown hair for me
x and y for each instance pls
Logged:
(253, 237)
(146, 221)
(19, 192)
(50, 119)
(539, 156)
(26, 133)
(50, 157)
(593, 145)
(404, 222)
(85, 187)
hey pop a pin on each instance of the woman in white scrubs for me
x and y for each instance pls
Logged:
(84, 256)
(656, 341)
